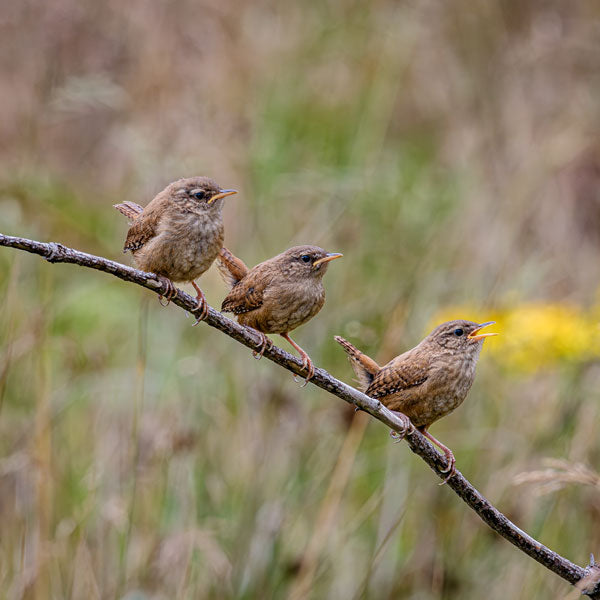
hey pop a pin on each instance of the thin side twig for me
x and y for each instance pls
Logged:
(57, 253)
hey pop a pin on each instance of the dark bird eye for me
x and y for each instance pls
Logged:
(305, 258)
(458, 332)
(200, 195)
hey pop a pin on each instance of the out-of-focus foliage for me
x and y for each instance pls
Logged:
(448, 149)
(538, 335)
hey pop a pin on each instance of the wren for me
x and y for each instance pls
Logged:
(277, 295)
(427, 382)
(178, 235)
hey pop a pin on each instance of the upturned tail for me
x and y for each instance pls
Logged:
(231, 268)
(130, 209)
(364, 367)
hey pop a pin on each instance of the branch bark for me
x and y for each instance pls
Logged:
(586, 579)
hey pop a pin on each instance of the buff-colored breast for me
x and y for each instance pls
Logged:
(185, 246)
(286, 305)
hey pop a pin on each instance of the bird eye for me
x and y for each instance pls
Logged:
(305, 258)
(199, 195)
(458, 332)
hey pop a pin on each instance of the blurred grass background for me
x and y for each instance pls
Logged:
(450, 150)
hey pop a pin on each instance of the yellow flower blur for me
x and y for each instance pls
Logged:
(536, 335)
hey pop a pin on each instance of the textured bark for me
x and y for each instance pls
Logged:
(586, 579)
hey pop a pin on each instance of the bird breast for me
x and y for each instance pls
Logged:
(185, 246)
(286, 305)
(448, 386)
(297, 304)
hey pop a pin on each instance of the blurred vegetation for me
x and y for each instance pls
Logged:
(538, 335)
(449, 150)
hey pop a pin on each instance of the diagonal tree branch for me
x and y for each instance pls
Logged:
(586, 579)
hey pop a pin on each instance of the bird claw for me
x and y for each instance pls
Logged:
(396, 436)
(399, 436)
(170, 293)
(306, 362)
(308, 365)
(262, 345)
(450, 469)
(201, 306)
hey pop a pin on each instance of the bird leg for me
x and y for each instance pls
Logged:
(171, 290)
(406, 425)
(306, 362)
(201, 305)
(447, 453)
(262, 345)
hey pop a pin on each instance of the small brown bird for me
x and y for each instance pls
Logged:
(179, 234)
(427, 382)
(277, 295)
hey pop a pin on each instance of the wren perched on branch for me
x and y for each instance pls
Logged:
(427, 382)
(179, 234)
(277, 295)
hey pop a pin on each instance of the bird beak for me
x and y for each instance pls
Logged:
(475, 335)
(329, 256)
(220, 195)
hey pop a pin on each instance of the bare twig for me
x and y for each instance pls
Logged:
(569, 571)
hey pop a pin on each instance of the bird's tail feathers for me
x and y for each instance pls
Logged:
(231, 268)
(364, 367)
(130, 209)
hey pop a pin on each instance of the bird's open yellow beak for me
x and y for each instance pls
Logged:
(220, 195)
(327, 258)
(475, 335)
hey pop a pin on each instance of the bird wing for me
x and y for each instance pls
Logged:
(402, 373)
(145, 226)
(231, 268)
(247, 295)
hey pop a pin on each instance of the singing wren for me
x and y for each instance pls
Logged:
(427, 382)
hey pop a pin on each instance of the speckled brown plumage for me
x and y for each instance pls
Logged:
(279, 294)
(179, 233)
(427, 382)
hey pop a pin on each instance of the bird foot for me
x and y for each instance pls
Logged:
(262, 345)
(306, 362)
(450, 469)
(406, 425)
(201, 310)
(171, 290)
(308, 365)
